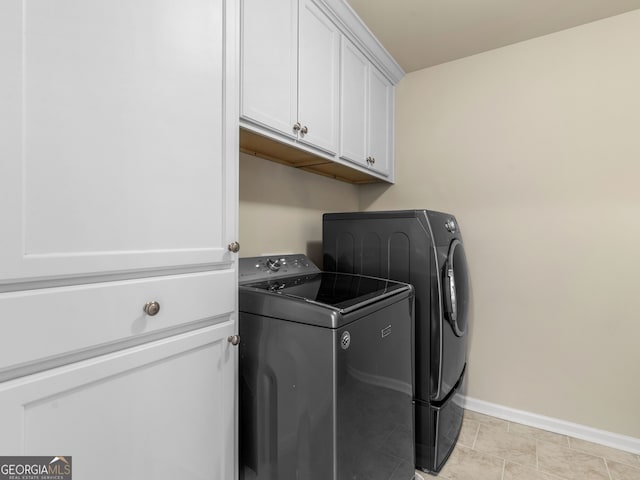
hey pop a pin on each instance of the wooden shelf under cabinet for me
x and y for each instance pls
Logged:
(260, 146)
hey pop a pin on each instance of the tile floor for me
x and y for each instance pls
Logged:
(492, 449)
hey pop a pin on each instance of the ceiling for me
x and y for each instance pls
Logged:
(423, 33)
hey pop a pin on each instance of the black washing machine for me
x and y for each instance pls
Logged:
(423, 248)
(325, 373)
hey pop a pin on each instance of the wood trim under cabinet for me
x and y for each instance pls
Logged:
(269, 149)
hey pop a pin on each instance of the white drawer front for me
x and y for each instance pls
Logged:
(42, 325)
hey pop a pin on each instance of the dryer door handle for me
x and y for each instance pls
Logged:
(454, 315)
(452, 302)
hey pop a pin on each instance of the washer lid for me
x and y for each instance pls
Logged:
(339, 291)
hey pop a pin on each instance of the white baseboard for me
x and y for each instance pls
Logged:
(610, 439)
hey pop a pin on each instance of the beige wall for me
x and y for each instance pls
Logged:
(536, 149)
(281, 208)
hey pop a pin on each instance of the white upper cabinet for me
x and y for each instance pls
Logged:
(354, 74)
(289, 66)
(318, 67)
(366, 112)
(312, 78)
(380, 122)
(114, 153)
(269, 64)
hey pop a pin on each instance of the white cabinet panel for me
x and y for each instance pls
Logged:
(73, 321)
(116, 122)
(381, 121)
(160, 411)
(269, 62)
(353, 103)
(318, 85)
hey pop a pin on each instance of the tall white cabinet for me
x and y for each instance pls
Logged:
(119, 217)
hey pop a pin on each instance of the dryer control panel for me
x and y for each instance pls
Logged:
(255, 269)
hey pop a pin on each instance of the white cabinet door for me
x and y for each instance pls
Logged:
(366, 112)
(48, 327)
(354, 73)
(289, 70)
(269, 63)
(381, 122)
(318, 84)
(160, 411)
(118, 172)
(113, 148)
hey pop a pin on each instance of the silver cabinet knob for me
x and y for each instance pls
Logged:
(234, 247)
(304, 130)
(234, 340)
(297, 127)
(151, 308)
(369, 160)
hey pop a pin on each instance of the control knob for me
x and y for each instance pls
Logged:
(450, 225)
(273, 265)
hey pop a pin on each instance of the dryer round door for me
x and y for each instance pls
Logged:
(456, 288)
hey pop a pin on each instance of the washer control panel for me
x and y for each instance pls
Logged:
(255, 269)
